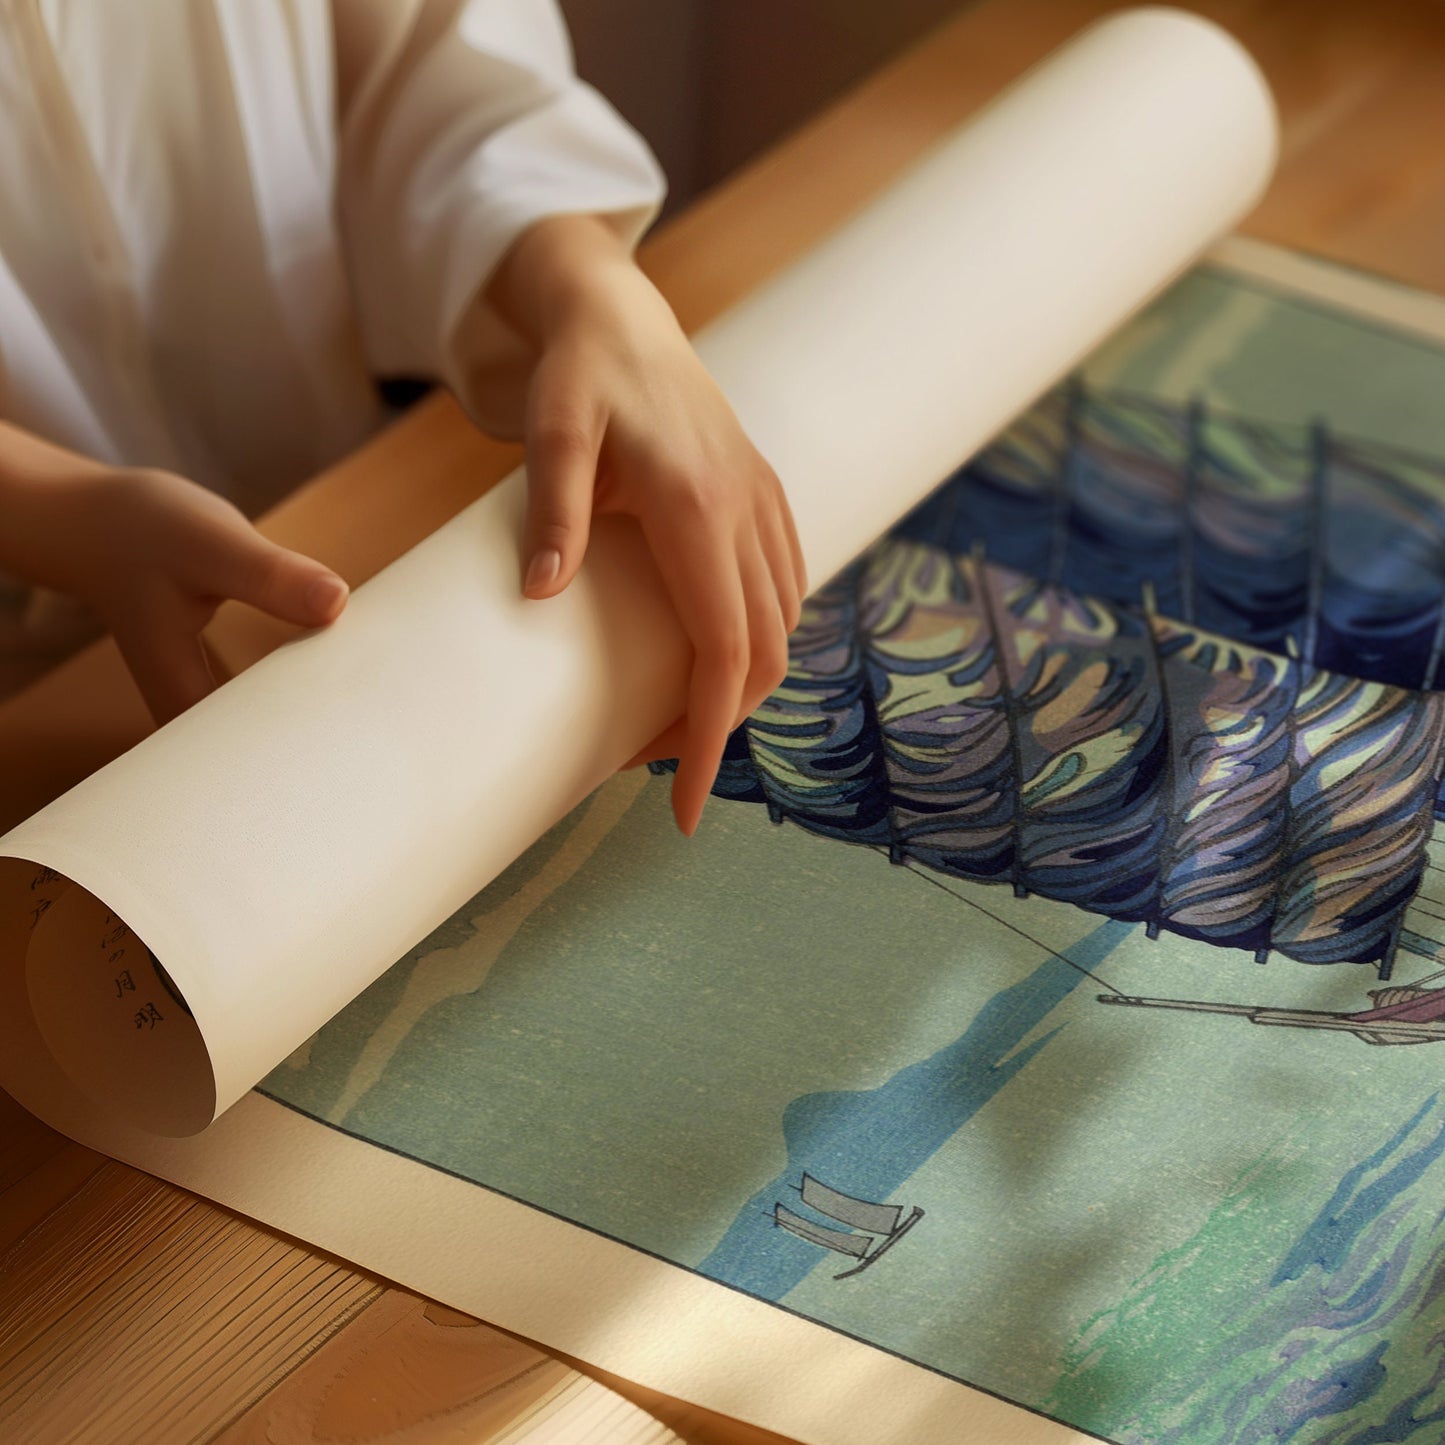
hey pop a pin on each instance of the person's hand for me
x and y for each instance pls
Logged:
(154, 556)
(622, 417)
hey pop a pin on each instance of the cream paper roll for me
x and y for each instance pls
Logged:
(174, 926)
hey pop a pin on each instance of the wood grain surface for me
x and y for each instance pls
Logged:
(133, 1311)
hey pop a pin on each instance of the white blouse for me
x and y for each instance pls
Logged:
(221, 219)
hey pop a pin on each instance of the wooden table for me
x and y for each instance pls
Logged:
(133, 1311)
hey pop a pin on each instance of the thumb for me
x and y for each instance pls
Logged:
(561, 478)
(276, 580)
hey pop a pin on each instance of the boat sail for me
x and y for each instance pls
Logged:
(869, 1229)
(1407, 1014)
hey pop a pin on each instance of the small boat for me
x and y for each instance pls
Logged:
(1403, 1014)
(881, 1225)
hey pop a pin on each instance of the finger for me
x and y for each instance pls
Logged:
(794, 546)
(773, 537)
(170, 667)
(669, 743)
(702, 578)
(712, 705)
(562, 452)
(243, 564)
(767, 636)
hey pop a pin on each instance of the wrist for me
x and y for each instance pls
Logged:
(570, 273)
(42, 486)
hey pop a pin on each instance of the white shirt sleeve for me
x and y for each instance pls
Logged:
(462, 123)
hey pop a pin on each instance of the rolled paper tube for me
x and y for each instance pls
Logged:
(178, 923)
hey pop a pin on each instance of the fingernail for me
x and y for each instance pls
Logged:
(543, 569)
(326, 595)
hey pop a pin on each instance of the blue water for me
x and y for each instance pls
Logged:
(868, 1142)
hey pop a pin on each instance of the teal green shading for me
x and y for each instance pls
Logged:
(583, 1076)
(1253, 349)
(1338, 1340)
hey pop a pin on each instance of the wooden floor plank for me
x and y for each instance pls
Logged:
(410, 1370)
(134, 1311)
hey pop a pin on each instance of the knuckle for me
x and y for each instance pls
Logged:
(147, 481)
(263, 574)
(554, 539)
(562, 438)
(136, 499)
(726, 650)
(770, 490)
(692, 493)
(551, 527)
(770, 665)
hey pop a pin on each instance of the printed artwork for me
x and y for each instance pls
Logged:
(1048, 996)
